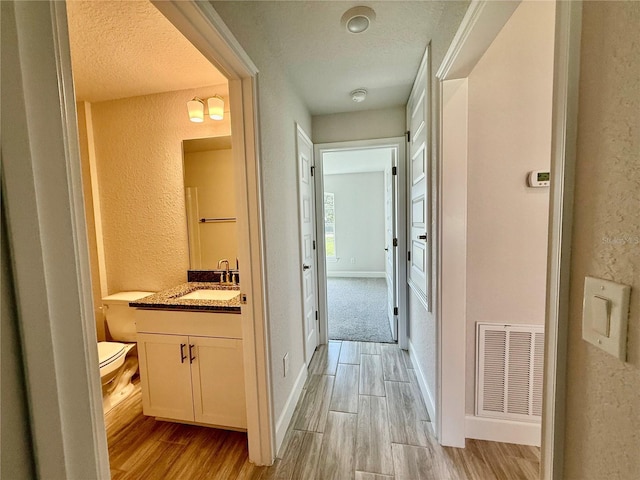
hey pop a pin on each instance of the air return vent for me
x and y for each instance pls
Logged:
(509, 371)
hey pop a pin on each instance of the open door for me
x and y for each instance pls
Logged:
(391, 243)
(306, 209)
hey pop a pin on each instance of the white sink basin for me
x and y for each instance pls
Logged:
(206, 294)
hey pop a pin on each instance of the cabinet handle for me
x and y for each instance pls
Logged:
(191, 356)
(422, 237)
(183, 357)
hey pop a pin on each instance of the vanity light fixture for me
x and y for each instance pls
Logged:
(358, 19)
(215, 106)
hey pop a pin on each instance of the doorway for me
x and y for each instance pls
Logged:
(361, 217)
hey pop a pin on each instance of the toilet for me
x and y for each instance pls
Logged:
(118, 359)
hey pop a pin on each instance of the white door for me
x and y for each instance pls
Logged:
(306, 208)
(419, 243)
(391, 245)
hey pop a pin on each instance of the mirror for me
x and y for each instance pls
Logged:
(210, 200)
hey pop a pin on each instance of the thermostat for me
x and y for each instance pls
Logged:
(539, 178)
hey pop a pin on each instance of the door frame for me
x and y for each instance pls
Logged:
(484, 19)
(42, 193)
(399, 143)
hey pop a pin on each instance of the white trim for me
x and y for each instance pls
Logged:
(451, 304)
(475, 33)
(564, 135)
(209, 34)
(403, 293)
(289, 407)
(42, 190)
(499, 430)
(339, 273)
(203, 27)
(481, 24)
(427, 395)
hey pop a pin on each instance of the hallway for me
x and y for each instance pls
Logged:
(361, 416)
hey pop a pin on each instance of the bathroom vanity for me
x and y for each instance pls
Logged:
(190, 355)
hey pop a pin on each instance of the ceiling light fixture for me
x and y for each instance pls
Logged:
(358, 95)
(215, 106)
(358, 19)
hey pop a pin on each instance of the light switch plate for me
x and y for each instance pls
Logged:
(605, 309)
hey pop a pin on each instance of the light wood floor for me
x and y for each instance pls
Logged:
(360, 417)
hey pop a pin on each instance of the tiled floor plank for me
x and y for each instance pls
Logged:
(372, 476)
(307, 463)
(414, 463)
(315, 404)
(406, 416)
(338, 447)
(373, 446)
(371, 376)
(325, 360)
(350, 352)
(370, 348)
(393, 364)
(345, 389)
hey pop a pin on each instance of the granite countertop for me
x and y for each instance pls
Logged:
(169, 299)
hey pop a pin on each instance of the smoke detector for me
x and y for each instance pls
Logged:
(358, 95)
(358, 19)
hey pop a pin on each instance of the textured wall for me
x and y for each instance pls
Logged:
(360, 219)
(603, 396)
(422, 325)
(510, 95)
(280, 109)
(138, 145)
(341, 127)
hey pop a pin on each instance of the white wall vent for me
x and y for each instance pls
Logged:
(509, 369)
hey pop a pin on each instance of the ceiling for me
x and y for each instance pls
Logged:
(325, 62)
(356, 161)
(123, 49)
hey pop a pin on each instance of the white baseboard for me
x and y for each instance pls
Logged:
(427, 395)
(499, 430)
(287, 412)
(356, 274)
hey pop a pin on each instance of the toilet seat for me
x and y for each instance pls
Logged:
(109, 352)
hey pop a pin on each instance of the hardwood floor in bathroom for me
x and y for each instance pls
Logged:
(360, 417)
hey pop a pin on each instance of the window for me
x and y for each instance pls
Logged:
(330, 226)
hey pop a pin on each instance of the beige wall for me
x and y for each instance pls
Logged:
(603, 396)
(360, 221)
(138, 148)
(342, 127)
(280, 110)
(212, 173)
(510, 96)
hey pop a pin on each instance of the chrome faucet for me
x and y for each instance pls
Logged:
(226, 277)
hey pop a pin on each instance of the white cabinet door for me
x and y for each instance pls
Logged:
(218, 381)
(165, 376)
